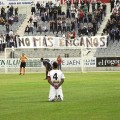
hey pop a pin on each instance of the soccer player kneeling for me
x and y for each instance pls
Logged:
(55, 79)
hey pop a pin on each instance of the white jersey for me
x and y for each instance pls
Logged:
(56, 76)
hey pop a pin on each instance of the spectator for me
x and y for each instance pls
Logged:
(112, 34)
(59, 26)
(27, 29)
(2, 42)
(31, 27)
(35, 21)
(72, 11)
(68, 13)
(64, 26)
(81, 16)
(2, 11)
(2, 21)
(31, 19)
(68, 25)
(12, 42)
(11, 33)
(93, 5)
(80, 31)
(39, 28)
(68, 2)
(32, 8)
(90, 30)
(98, 4)
(8, 40)
(11, 10)
(88, 4)
(16, 11)
(7, 27)
(38, 6)
(16, 18)
(84, 31)
(117, 34)
(59, 61)
(59, 9)
(7, 11)
(45, 29)
(104, 6)
(112, 4)
(82, 2)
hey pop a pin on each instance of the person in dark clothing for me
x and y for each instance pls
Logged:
(93, 5)
(11, 10)
(104, 6)
(84, 31)
(38, 6)
(33, 8)
(112, 4)
(7, 27)
(117, 34)
(98, 4)
(16, 11)
(76, 4)
(80, 31)
(48, 66)
(112, 34)
(82, 2)
(27, 29)
(88, 4)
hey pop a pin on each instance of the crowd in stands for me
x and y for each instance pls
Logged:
(112, 27)
(47, 18)
(9, 21)
(77, 20)
(8, 15)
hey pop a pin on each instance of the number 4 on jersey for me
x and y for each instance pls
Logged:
(55, 76)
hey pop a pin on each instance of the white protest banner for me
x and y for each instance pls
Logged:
(37, 42)
(49, 41)
(88, 42)
(35, 62)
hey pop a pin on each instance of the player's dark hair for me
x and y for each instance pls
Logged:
(41, 59)
(55, 65)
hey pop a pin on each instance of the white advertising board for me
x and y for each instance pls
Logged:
(35, 62)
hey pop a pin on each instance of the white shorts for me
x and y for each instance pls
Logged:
(55, 92)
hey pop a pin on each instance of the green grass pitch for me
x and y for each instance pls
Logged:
(87, 96)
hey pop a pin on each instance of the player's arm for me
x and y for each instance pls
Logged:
(49, 81)
(61, 82)
(26, 58)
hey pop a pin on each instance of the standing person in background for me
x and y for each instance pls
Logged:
(59, 61)
(112, 4)
(23, 59)
(48, 66)
(33, 8)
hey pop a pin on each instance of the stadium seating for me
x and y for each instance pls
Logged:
(111, 50)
